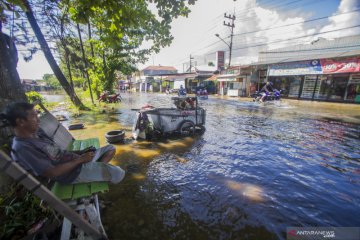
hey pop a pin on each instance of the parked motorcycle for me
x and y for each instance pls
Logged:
(103, 96)
(110, 98)
(114, 98)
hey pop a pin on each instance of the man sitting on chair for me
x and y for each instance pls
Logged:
(39, 154)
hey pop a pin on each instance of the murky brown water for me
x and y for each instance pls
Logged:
(256, 170)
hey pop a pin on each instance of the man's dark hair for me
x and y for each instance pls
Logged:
(17, 110)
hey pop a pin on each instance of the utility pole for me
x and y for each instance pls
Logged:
(191, 58)
(231, 25)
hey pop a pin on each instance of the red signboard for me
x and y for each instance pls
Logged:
(220, 59)
(340, 66)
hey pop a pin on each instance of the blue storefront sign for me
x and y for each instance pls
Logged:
(295, 68)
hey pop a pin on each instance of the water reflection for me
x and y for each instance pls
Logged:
(255, 171)
(249, 191)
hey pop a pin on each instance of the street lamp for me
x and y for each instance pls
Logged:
(229, 45)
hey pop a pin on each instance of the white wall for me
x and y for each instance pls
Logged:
(177, 83)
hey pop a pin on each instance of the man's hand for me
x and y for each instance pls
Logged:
(86, 157)
(69, 166)
(88, 149)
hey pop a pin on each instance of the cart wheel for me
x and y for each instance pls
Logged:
(199, 129)
(187, 127)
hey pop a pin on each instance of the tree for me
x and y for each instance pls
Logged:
(51, 81)
(49, 56)
(121, 28)
(10, 84)
(117, 33)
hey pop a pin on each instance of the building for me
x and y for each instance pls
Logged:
(34, 85)
(151, 78)
(327, 70)
(196, 78)
(234, 81)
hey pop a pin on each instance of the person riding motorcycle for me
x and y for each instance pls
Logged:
(265, 90)
(182, 91)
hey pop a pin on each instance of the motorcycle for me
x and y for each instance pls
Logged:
(114, 98)
(103, 96)
(106, 97)
(269, 96)
(182, 93)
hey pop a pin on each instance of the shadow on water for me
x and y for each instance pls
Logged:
(256, 170)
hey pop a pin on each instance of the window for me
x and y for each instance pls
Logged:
(294, 86)
(324, 83)
(353, 88)
(289, 84)
(309, 86)
(332, 87)
(339, 85)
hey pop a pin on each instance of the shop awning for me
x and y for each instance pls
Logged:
(212, 78)
(227, 77)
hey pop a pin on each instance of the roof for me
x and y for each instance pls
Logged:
(179, 77)
(309, 57)
(28, 81)
(166, 68)
(318, 49)
(213, 78)
(228, 76)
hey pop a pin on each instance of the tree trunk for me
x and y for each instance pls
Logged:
(68, 66)
(86, 63)
(11, 90)
(91, 45)
(66, 49)
(93, 56)
(10, 85)
(50, 58)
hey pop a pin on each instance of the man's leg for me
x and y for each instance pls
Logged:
(99, 172)
(108, 156)
(104, 154)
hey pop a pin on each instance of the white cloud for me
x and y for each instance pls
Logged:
(343, 21)
(276, 37)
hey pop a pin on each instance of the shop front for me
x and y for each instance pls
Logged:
(228, 85)
(320, 79)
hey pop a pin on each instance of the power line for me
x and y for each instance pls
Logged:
(313, 49)
(283, 40)
(310, 20)
(268, 28)
(291, 24)
(274, 4)
(279, 7)
(309, 35)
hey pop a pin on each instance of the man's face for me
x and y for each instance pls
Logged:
(31, 123)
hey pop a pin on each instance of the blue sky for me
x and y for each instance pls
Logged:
(195, 35)
(323, 7)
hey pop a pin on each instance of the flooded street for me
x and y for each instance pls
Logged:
(255, 171)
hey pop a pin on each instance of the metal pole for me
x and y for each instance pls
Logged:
(231, 38)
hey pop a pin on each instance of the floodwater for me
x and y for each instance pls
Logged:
(53, 97)
(255, 171)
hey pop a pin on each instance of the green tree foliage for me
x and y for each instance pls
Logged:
(51, 81)
(121, 29)
(34, 96)
(21, 209)
(118, 35)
